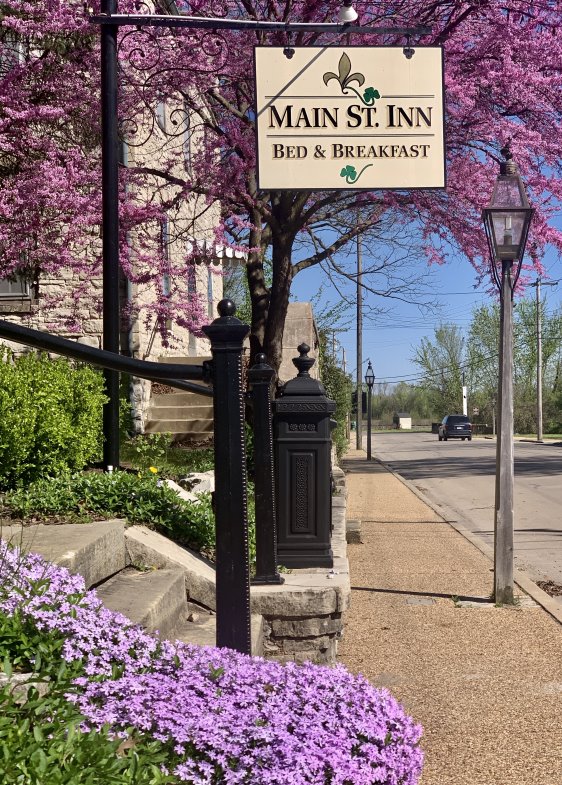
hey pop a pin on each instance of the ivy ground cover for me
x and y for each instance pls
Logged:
(223, 718)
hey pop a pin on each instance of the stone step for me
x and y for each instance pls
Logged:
(196, 429)
(181, 399)
(155, 599)
(202, 631)
(174, 412)
(93, 550)
(151, 549)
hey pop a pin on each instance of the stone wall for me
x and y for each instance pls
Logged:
(300, 327)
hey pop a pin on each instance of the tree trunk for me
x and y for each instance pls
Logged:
(269, 306)
(282, 243)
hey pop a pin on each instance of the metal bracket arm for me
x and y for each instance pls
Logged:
(208, 23)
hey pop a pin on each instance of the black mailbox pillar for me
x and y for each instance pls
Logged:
(303, 446)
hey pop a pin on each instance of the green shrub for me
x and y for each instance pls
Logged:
(141, 452)
(150, 449)
(138, 498)
(338, 388)
(50, 417)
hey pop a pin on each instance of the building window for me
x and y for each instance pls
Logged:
(187, 139)
(161, 115)
(123, 153)
(191, 278)
(15, 287)
(210, 308)
(166, 282)
(13, 51)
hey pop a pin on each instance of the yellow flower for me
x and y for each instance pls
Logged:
(153, 469)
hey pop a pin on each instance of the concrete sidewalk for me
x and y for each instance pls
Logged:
(485, 682)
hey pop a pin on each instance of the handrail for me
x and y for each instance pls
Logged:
(171, 374)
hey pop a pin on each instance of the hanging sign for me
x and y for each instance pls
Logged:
(350, 117)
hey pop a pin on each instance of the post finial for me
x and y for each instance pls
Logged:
(226, 308)
(507, 166)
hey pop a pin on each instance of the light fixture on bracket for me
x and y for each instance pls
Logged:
(347, 13)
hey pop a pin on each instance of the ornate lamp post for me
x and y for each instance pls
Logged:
(506, 220)
(369, 381)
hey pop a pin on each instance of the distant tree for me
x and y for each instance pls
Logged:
(441, 361)
(338, 388)
(483, 360)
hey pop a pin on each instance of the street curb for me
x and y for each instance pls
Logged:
(521, 578)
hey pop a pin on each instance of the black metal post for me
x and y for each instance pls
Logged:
(260, 377)
(370, 389)
(110, 224)
(226, 335)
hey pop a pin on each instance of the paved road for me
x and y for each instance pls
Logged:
(459, 477)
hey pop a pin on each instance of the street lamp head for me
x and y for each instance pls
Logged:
(508, 216)
(347, 13)
(369, 376)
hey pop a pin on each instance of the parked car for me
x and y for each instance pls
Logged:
(455, 426)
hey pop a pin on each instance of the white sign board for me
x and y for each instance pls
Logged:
(350, 117)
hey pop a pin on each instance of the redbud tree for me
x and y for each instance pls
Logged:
(503, 83)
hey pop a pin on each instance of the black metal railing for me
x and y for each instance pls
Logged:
(226, 335)
(260, 377)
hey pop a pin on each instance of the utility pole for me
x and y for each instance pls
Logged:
(537, 286)
(359, 375)
(539, 361)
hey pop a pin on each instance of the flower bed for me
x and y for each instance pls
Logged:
(226, 718)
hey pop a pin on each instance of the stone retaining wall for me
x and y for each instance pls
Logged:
(304, 618)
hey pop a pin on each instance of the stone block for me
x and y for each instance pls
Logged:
(199, 482)
(303, 628)
(318, 657)
(292, 645)
(89, 340)
(353, 531)
(19, 685)
(93, 550)
(155, 599)
(181, 492)
(149, 548)
(301, 595)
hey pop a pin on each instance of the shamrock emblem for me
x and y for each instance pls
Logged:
(370, 95)
(350, 173)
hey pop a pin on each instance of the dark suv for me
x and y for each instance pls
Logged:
(455, 426)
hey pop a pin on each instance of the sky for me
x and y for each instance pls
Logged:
(389, 341)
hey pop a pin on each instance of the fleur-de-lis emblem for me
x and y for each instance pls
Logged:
(350, 173)
(345, 78)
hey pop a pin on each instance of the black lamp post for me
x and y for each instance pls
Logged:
(369, 380)
(506, 220)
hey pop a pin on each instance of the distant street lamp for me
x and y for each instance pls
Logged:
(369, 380)
(506, 220)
